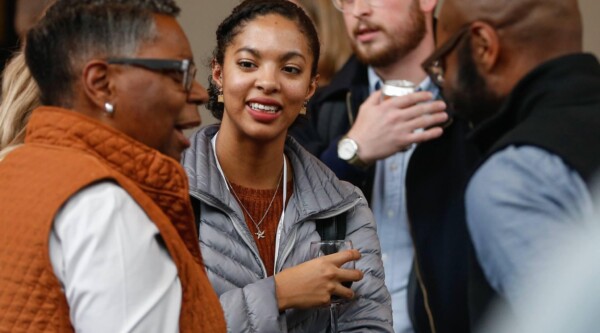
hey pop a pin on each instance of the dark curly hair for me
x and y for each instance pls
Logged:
(244, 13)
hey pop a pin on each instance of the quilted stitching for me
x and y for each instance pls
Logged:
(31, 299)
(161, 177)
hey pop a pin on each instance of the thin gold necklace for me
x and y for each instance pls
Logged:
(259, 233)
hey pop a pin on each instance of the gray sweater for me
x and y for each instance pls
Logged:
(233, 263)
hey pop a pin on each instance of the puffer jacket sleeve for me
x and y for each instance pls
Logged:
(371, 311)
(253, 308)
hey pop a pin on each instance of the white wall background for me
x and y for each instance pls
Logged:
(200, 19)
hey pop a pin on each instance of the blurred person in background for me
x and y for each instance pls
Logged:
(9, 41)
(20, 96)
(395, 152)
(335, 46)
(20, 15)
(98, 232)
(563, 295)
(532, 97)
(27, 13)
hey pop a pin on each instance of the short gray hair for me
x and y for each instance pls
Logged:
(75, 31)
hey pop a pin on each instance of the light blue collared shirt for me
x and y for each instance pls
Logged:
(389, 207)
(520, 203)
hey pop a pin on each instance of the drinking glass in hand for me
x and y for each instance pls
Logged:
(327, 247)
(395, 88)
(392, 88)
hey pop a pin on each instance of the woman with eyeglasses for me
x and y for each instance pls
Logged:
(260, 196)
(97, 227)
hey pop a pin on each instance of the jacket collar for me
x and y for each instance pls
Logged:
(555, 82)
(144, 165)
(352, 77)
(316, 189)
(159, 176)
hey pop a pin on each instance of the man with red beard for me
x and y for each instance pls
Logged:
(369, 141)
(534, 100)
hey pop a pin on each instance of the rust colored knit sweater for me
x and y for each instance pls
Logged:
(65, 152)
(256, 202)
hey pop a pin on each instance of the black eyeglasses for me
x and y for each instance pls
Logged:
(185, 66)
(433, 64)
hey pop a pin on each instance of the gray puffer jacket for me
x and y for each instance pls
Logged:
(233, 263)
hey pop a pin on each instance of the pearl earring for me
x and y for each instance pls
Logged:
(109, 108)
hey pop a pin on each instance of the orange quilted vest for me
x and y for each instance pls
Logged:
(65, 152)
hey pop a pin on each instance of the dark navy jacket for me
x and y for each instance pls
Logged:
(331, 113)
(435, 180)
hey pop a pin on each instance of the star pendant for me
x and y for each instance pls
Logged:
(260, 234)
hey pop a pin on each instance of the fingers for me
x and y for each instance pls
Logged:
(426, 135)
(425, 120)
(400, 101)
(409, 100)
(373, 99)
(349, 275)
(342, 291)
(418, 110)
(342, 257)
(344, 279)
(421, 116)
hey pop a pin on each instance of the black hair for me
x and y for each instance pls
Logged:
(245, 12)
(73, 32)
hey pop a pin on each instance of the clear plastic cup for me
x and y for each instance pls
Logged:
(392, 88)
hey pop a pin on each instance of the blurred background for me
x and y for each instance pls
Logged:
(200, 19)
(200, 23)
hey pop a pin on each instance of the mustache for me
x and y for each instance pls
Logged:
(364, 25)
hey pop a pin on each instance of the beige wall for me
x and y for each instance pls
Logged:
(200, 23)
(591, 25)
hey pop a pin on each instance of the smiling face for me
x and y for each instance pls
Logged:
(151, 106)
(266, 78)
(382, 34)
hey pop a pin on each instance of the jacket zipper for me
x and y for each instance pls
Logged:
(277, 241)
(421, 284)
(349, 108)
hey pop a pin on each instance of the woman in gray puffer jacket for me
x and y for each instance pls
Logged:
(259, 195)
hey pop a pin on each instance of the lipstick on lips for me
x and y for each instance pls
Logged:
(263, 109)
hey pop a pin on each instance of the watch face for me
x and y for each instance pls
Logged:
(346, 149)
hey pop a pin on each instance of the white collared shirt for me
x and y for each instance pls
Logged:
(115, 271)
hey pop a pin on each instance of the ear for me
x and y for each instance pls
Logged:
(428, 6)
(314, 84)
(217, 73)
(485, 46)
(96, 83)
